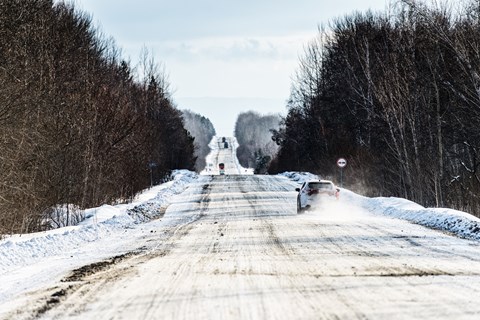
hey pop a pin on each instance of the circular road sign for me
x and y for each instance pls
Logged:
(341, 162)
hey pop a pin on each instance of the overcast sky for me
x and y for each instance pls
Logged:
(221, 56)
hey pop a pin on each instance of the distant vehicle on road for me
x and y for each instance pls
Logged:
(312, 192)
(221, 168)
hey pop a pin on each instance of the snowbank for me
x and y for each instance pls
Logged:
(155, 207)
(299, 177)
(448, 220)
(453, 221)
(100, 223)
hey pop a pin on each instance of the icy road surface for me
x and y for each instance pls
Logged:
(227, 156)
(239, 251)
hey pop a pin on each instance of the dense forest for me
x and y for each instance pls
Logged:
(254, 135)
(202, 130)
(79, 126)
(398, 95)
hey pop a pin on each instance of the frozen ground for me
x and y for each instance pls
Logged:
(29, 262)
(216, 247)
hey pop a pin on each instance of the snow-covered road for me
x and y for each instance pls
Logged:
(240, 251)
(233, 247)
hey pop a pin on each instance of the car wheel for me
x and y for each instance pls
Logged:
(299, 206)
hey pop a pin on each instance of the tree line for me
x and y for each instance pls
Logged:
(79, 126)
(200, 128)
(397, 94)
(254, 135)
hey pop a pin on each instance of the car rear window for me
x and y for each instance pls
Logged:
(320, 185)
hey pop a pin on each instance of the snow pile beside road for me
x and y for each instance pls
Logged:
(457, 222)
(156, 206)
(299, 177)
(211, 164)
(240, 169)
(453, 221)
(99, 224)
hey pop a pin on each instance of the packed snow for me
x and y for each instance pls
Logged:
(448, 220)
(26, 260)
(100, 223)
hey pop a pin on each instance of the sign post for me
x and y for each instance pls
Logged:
(151, 165)
(341, 163)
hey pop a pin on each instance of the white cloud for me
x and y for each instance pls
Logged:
(230, 66)
(220, 48)
(233, 48)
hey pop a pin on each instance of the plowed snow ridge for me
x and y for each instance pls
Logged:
(233, 247)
